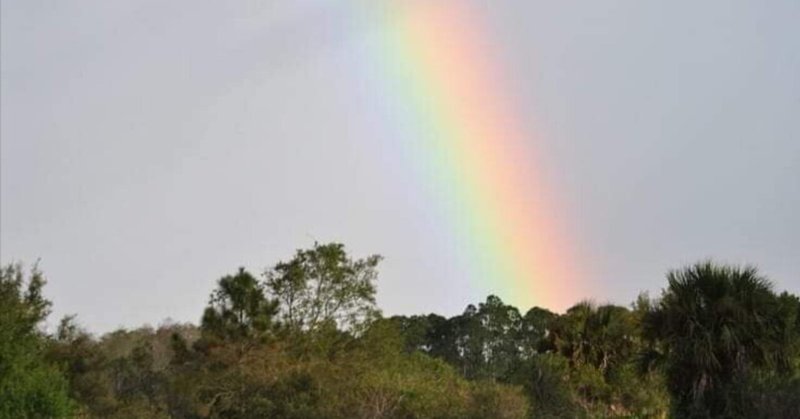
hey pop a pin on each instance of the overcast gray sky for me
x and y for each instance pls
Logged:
(149, 147)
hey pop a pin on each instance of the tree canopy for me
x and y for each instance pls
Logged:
(713, 327)
(307, 340)
(29, 386)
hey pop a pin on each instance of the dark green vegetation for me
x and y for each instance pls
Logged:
(306, 340)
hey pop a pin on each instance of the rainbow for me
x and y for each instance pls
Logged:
(473, 150)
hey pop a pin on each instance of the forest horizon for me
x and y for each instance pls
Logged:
(306, 339)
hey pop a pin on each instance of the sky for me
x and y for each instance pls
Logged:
(148, 148)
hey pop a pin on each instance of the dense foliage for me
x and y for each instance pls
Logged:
(306, 340)
(28, 384)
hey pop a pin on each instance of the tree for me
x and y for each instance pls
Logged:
(535, 328)
(84, 365)
(600, 344)
(377, 378)
(29, 385)
(545, 379)
(323, 285)
(124, 374)
(503, 336)
(217, 378)
(714, 326)
(483, 342)
(600, 336)
(238, 309)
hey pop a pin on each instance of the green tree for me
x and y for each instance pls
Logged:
(502, 324)
(239, 309)
(123, 374)
(600, 336)
(85, 366)
(536, 325)
(601, 344)
(324, 286)
(546, 382)
(714, 326)
(29, 385)
(221, 375)
(377, 378)
(483, 342)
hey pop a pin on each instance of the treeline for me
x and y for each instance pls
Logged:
(305, 339)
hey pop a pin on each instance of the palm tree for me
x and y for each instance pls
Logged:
(713, 325)
(600, 336)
